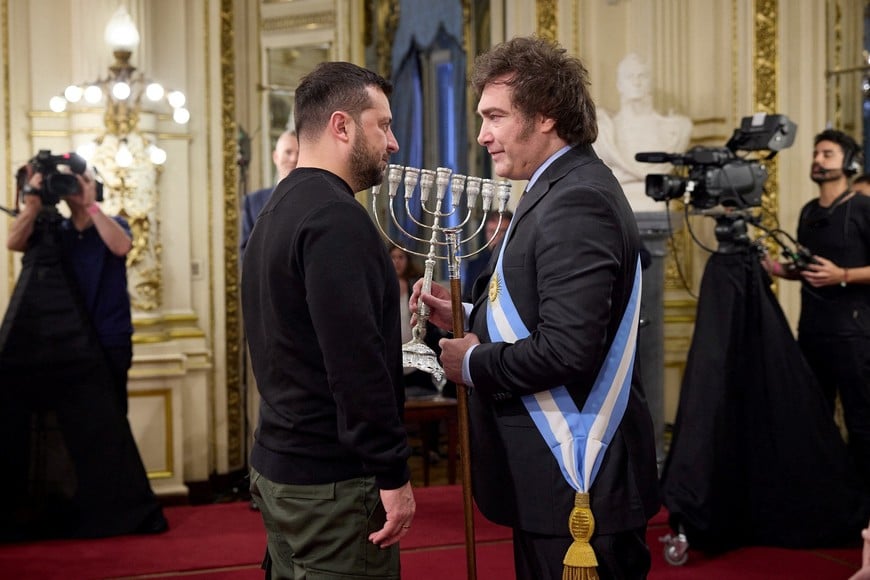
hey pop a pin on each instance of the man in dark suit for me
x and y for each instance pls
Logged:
(569, 267)
(493, 233)
(284, 157)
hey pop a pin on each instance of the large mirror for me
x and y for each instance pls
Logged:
(284, 67)
(847, 74)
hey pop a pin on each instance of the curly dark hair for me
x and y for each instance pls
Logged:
(334, 86)
(851, 149)
(545, 80)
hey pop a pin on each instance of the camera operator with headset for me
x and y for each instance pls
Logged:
(94, 246)
(834, 327)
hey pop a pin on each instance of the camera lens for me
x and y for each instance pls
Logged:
(663, 187)
(62, 185)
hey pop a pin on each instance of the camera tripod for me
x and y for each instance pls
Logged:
(753, 437)
(71, 460)
(732, 232)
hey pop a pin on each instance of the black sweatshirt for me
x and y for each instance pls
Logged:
(321, 311)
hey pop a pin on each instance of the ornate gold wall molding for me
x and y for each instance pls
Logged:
(133, 192)
(834, 15)
(233, 322)
(165, 327)
(766, 60)
(575, 27)
(385, 22)
(313, 21)
(547, 15)
(679, 260)
(165, 395)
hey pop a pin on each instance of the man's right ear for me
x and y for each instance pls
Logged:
(338, 123)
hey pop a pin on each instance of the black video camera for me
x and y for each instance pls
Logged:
(717, 175)
(55, 183)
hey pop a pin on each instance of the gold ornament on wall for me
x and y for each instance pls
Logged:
(546, 15)
(766, 79)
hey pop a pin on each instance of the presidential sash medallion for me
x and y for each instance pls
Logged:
(493, 287)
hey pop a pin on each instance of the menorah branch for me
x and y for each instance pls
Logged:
(443, 241)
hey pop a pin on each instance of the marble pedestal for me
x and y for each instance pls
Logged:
(654, 231)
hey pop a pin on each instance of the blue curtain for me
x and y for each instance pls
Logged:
(427, 27)
(407, 107)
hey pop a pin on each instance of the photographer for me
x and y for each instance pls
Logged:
(834, 327)
(65, 349)
(93, 247)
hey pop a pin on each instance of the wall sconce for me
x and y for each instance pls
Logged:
(123, 89)
(128, 160)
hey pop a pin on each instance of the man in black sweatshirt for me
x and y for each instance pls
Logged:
(320, 302)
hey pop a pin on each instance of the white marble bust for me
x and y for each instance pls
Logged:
(638, 127)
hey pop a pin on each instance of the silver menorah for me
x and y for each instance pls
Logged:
(444, 243)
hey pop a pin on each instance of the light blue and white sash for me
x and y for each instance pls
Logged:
(577, 439)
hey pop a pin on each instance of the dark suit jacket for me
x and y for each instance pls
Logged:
(570, 263)
(475, 268)
(251, 208)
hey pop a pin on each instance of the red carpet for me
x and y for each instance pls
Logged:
(755, 563)
(226, 542)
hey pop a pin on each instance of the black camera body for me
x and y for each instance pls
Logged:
(55, 183)
(716, 175)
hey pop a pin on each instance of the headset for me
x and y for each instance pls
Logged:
(852, 155)
(852, 158)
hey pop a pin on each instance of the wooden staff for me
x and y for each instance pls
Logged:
(452, 238)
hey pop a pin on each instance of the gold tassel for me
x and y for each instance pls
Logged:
(580, 562)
